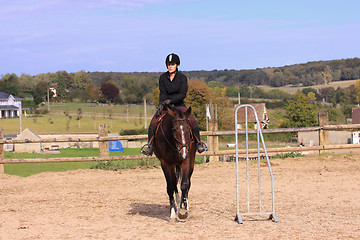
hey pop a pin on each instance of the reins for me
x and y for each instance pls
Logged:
(183, 145)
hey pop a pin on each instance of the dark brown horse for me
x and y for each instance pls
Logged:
(175, 148)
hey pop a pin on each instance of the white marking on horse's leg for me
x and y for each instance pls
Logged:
(183, 140)
(172, 214)
(184, 210)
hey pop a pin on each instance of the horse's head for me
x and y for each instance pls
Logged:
(181, 131)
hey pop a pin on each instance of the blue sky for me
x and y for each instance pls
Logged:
(41, 36)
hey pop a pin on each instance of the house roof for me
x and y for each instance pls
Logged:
(5, 96)
(8, 107)
(260, 110)
(27, 133)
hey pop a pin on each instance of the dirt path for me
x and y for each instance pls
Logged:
(316, 198)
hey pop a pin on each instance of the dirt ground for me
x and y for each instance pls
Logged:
(315, 198)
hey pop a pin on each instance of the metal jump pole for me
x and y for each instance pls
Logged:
(239, 215)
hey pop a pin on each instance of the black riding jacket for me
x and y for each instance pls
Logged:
(174, 90)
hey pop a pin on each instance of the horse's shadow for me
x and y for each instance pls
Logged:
(150, 210)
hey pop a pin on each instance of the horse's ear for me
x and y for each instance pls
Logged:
(187, 112)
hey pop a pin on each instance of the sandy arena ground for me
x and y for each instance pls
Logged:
(316, 198)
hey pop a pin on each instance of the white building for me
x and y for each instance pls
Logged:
(9, 105)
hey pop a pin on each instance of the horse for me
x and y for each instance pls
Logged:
(175, 147)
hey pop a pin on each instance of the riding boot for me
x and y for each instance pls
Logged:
(150, 145)
(200, 146)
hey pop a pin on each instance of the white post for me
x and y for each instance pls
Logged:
(20, 113)
(145, 122)
(48, 99)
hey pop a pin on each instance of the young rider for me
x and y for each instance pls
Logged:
(173, 86)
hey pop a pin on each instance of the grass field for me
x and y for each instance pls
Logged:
(293, 89)
(56, 121)
(103, 109)
(28, 169)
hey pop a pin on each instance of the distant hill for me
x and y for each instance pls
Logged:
(306, 74)
(292, 89)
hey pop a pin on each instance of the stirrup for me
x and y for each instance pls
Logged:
(201, 147)
(148, 151)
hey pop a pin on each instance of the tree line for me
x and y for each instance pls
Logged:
(214, 86)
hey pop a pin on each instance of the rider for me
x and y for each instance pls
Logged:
(173, 86)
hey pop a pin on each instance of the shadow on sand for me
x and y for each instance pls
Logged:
(158, 211)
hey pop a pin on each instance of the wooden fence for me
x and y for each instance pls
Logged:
(213, 135)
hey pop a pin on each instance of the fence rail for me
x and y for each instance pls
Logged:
(213, 151)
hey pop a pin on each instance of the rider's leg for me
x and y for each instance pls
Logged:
(200, 146)
(150, 145)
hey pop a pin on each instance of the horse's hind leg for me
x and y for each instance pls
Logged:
(171, 182)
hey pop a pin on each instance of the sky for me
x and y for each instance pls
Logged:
(42, 36)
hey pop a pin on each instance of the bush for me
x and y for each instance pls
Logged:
(133, 131)
(288, 155)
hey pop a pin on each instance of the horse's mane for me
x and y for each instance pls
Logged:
(175, 109)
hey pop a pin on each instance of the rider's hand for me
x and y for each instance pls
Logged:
(159, 110)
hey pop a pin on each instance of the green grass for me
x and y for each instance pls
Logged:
(56, 121)
(88, 108)
(58, 124)
(28, 169)
(292, 89)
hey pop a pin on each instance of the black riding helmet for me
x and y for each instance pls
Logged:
(172, 58)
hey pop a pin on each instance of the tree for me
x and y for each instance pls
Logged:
(315, 95)
(244, 90)
(64, 82)
(79, 115)
(278, 80)
(357, 91)
(136, 87)
(311, 96)
(224, 110)
(27, 83)
(300, 112)
(10, 84)
(81, 80)
(40, 92)
(232, 91)
(93, 92)
(197, 98)
(109, 91)
(156, 94)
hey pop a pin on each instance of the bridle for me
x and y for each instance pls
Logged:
(183, 144)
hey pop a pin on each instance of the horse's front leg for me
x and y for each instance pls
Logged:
(184, 203)
(171, 189)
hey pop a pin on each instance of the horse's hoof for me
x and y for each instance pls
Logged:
(183, 213)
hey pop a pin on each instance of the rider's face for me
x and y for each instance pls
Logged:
(172, 67)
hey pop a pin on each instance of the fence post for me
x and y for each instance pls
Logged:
(323, 134)
(103, 146)
(1, 151)
(213, 140)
